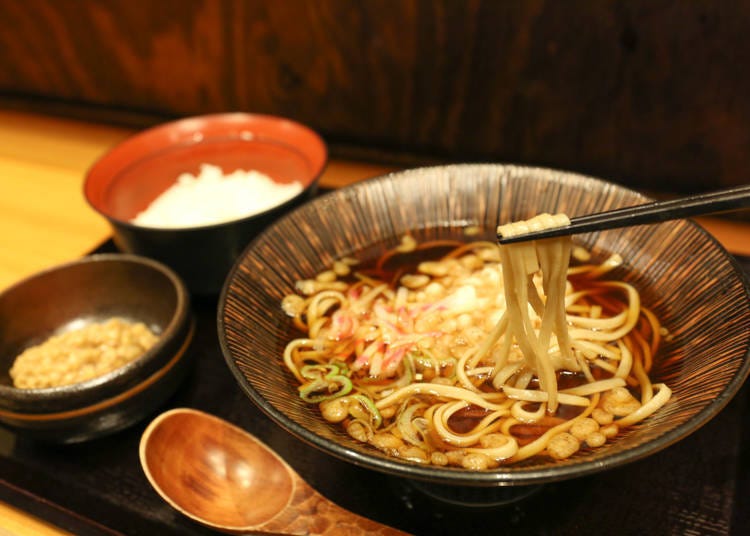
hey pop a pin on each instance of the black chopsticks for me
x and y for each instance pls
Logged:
(709, 203)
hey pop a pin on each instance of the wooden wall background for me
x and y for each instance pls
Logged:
(654, 94)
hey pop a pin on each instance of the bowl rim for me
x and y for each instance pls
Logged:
(504, 475)
(112, 401)
(179, 318)
(185, 122)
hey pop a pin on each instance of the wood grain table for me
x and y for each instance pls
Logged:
(44, 219)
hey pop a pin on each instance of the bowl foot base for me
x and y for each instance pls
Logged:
(463, 496)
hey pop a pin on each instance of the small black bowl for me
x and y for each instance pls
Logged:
(135, 172)
(85, 291)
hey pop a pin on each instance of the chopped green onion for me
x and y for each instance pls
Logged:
(369, 405)
(320, 389)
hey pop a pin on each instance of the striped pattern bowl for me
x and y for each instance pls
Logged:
(684, 275)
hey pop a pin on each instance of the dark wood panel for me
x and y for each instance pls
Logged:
(652, 94)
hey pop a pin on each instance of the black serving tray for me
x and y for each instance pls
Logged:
(700, 485)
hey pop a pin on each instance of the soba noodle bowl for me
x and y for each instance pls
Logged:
(474, 355)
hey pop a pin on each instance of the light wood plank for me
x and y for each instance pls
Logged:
(15, 522)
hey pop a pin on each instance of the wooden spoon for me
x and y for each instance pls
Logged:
(225, 478)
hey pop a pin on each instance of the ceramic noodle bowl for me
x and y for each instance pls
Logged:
(682, 273)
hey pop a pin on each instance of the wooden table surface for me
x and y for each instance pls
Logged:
(44, 219)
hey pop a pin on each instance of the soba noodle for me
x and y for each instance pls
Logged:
(488, 355)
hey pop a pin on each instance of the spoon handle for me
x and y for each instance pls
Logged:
(311, 513)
